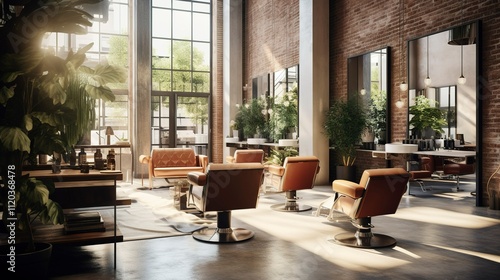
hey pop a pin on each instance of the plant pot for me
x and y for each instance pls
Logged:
(346, 173)
(256, 141)
(34, 265)
(494, 200)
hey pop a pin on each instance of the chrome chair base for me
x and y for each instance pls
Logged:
(290, 207)
(373, 241)
(216, 235)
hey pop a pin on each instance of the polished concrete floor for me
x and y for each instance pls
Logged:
(441, 234)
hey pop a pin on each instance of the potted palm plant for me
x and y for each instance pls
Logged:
(34, 87)
(344, 124)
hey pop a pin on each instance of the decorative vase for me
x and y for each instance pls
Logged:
(235, 133)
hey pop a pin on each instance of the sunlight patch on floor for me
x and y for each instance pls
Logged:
(490, 257)
(444, 217)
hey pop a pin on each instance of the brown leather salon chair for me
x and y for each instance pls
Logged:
(297, 173)
(378, 193)
(246, 155)
(223, 188)
(459, 167)
(423, 173)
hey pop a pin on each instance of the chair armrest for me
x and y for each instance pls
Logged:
(197, 178)
(203, 162)
(144, 158)
(348, 188)
(276, 170)
(230, 159)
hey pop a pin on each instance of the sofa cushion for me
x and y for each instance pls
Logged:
(175, 171)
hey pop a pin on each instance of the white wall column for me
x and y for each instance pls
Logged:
(232, 62)
(314, 82)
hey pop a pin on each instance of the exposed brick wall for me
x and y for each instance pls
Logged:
(361, 26)
(271, 42)
(217, 92)
(271, 37)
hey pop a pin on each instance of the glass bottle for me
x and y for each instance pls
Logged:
(72, 157)
(111, 160)
(82, 157)
(98, 162)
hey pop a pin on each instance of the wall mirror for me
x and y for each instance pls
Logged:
(368, 83)
(260, 86)
(445, 68)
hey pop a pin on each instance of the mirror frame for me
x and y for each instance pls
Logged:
(353, 82)
(479, 100)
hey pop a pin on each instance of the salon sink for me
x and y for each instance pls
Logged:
(399, 148)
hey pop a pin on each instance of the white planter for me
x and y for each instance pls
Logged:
(288, 142)
(256, 141)
(235, 133)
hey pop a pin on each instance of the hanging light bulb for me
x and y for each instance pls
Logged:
(399, 103)
(427, 80)
(403, 86)
(462, 80)
(362, 91)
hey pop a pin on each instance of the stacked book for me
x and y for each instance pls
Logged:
(83, 222)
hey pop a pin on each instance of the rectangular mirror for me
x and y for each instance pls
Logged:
(368, 82)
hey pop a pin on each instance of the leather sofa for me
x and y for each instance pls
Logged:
(170, 163)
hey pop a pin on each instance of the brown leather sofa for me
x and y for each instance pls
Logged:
(170, 163)
(223, 188)
(297, 173)
(378, 193)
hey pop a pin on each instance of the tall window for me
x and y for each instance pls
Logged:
(181, 59)
(109, 36)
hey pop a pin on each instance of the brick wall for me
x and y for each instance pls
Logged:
(271, 37)
(360, 26)
(271, 42)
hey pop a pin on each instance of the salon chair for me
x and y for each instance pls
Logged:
(246, 155)
(224, 188)
(459, 167)
(297, 173)
(378, 193)
(423, 173)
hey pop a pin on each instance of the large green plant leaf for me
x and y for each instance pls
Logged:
(13, 138)
(100, 92)
(5, 94)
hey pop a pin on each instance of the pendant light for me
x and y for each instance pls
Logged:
(403, 86)
(462, 80)
(427, 80)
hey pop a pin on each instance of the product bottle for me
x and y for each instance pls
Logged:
(82, 157)
(98, 162)
(111, 160)
(72, 157)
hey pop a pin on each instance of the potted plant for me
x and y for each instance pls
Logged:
(426, 117)
(277, 156)
(35, 85)
(252, 118)
(344, 123)
(284, 116)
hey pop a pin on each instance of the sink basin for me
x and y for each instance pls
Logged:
(288, 142)
(399, 148)
(256, 141)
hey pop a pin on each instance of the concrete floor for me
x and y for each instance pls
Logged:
(441, 235)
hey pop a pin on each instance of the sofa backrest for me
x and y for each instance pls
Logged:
(173, 157)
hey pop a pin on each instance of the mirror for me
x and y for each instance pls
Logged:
(368, 82)
(438, 57)
(444, 57)
(284, 120)
(260, 86)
